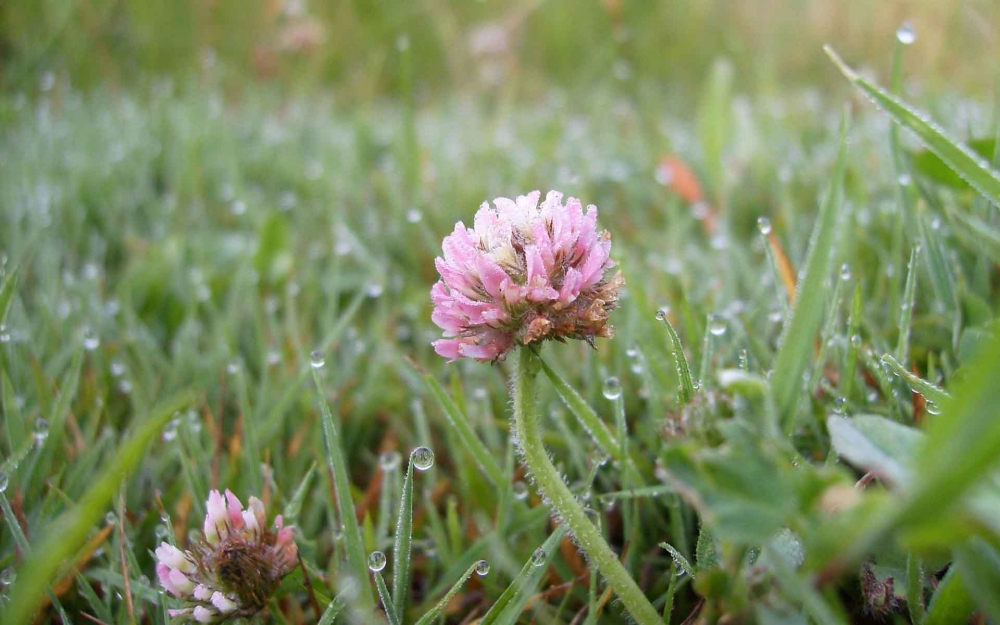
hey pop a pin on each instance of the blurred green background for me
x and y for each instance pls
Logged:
(517, 49)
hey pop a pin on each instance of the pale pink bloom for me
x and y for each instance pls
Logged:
(523, 274)
(235, 568)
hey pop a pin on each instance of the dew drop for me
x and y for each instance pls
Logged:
(273, 358)
(904, 180)
(161, 531)
(612, 388)
(839, 405)
(905, 34)
(7, 576)
(40, 430)
(233, 367)
(764, 225)
(316, 359)
(716, 325)
(90, 339)
(3, 482)
(662, 312)
(664, 175)
(422, 458)
(520, 490)
(482, 568)
(117, 368)
(538, 558)
(376, 561)
(932, 408)
(388, 461)
(239, 207)
(375, 290)
(845, 272)
(776, 314)
(110, 518)
(632, 351)
(856, 340)
(414, 215)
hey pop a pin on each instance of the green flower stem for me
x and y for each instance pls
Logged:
(564, 504)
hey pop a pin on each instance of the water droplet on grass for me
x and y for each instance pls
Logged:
(376, 561)
(845, 272)
(90, 339)
(612, 388)
(7, 576)
(40, 430)
(520, 490)
(538, 558)
(414, 216)
(389, 460)
(764, 225)
(482, 568)
(422, 458)
(375, 290)
(905, 34)
(316, 359)
(716, 325)
(3, 482)
(662, 312)
(110, 518)
(904, 180)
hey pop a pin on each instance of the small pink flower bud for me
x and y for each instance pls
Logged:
(235, 569)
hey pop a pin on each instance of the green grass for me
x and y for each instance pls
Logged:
(171, 255)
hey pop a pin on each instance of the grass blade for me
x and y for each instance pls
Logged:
(966, 163)
(508, 607)
(808, 309)
(475, 447)
(588, 418)
(434, 612)
(67, 534)
(931, 392)
(683, 368)
(356, 561)
(402, 544)
(383, 593)
(291, 511)
(679, 559)
(906, 309)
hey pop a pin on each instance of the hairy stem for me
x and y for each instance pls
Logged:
(563, 502)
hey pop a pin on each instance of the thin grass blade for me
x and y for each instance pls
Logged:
(508, 607)
(808, 309)
(356, 560)
(402, 544)
(966, 163)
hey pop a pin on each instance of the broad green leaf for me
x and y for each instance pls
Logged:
(810, 295)
(951, 602)
(979, 564)
(963, 160)
(876, 444)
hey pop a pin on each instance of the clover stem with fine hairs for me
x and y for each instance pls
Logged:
(536, 458)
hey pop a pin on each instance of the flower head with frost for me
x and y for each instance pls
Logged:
(524, 273)
(235, 568)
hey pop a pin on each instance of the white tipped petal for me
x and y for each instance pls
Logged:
(224, 605)
(204, 615)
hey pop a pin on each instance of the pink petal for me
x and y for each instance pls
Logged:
(235, 510)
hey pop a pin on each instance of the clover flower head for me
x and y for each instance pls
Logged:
(524, 273)
(235, 568)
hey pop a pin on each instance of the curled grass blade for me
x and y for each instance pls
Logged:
(963, 160)
(683, 368)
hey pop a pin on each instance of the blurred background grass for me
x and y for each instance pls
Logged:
(518, 48)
